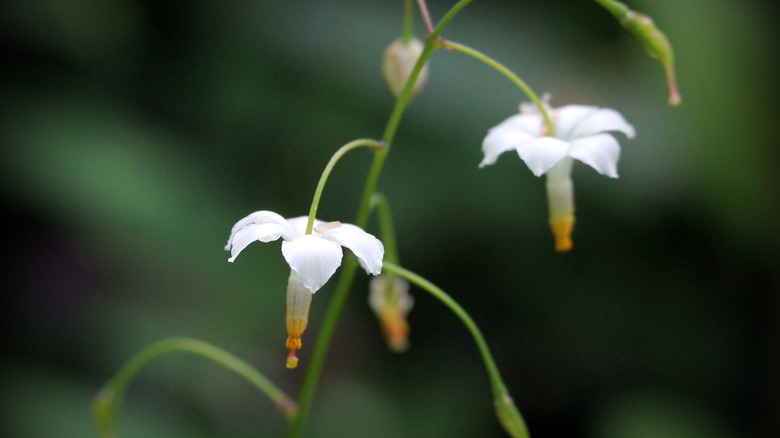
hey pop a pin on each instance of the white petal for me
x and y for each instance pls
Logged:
(500, 140)
(600, 152)
(297, 227)
(597, 121)
(568, 117)
(313, 258)
(531, 124)
(542, 154)
(258, 217)
(367, 248)
(251, 233)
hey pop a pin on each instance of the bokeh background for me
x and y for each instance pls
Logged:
(135, 133)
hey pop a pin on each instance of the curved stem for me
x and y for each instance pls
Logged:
(495, 377)
(326, 173)
(350, 265)
(509, 74)
(507, 413)
(386, 228)
(106, 400)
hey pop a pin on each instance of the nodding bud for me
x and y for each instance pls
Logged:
(390, 300)
(656, 45)
(652, 39)
(298, 303)
(398, 63)
(510, 417)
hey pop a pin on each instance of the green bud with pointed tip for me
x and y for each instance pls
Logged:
(398, 63)
(510, 417)
(655, 44)
(103, 408)
(650, 37)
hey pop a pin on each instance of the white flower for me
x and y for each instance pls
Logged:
(580, 133)
(314, 257)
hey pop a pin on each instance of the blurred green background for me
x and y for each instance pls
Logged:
(135, 133)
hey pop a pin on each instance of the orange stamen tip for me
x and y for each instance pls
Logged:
(562, 230)
(293, 343)
(396, 331)
(292, 360)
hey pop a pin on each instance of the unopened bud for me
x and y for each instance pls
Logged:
(656, 45)
(103, 407)
(391, 302)
(510, 417)
(398, 63)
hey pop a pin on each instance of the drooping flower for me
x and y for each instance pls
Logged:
(390, 300)
(313, 259)
(580, 133)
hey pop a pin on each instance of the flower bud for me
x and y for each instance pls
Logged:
(391, 302)
(656, 45)
(298, 303)
(398, 63)
(510, 417)
(103, 407)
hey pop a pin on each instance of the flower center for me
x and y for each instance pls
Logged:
(324, 228)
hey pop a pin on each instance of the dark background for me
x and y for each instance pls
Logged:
(135, 133)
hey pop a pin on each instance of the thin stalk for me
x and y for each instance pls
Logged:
(350, 265)
(425, 15)
(509, 74)
(496, 382)
(326, 173)
(386, 228)
(508, 414)
(106, 400)
(408, 29)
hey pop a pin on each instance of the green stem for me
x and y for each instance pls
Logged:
(326, 173)
(509, 74)
(495, 377)
(386, 228)
(106, 400)
(350, 265)
(408, 29)
(508, 414)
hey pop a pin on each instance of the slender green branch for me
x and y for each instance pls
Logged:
(507, 412)
(326, 173)
(509, 74)
(386, 228)
(350, 265)
(106, 400)
(495, 377)
(408, 29)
